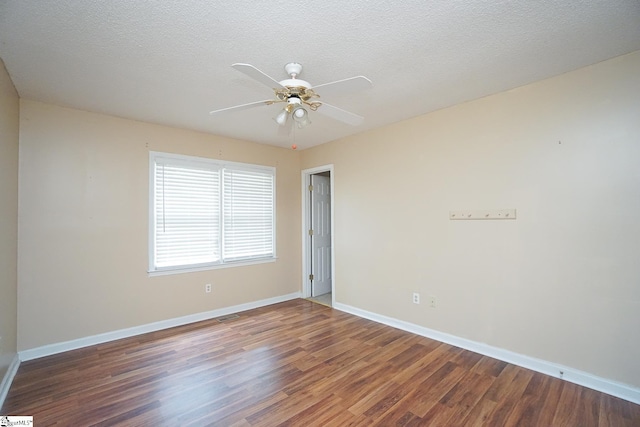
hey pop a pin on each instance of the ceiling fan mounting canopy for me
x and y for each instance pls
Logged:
(296, 92)
(293, 69)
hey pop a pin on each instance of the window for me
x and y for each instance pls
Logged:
(206, 213)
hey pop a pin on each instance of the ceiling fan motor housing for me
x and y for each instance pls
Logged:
(294, 69)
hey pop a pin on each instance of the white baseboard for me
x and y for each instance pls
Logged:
(8, 378)
(48, 350)
(623, 391)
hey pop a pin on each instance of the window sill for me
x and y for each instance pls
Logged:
(210, 267)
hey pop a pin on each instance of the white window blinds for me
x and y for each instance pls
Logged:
(206, 213)
(248, 214)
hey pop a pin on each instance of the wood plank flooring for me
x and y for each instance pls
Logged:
(298, 364)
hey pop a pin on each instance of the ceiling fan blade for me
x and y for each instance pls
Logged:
(257, 75)
(350, 85)
(340, 114)
(242, 107)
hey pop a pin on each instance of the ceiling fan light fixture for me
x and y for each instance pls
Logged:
(282, 117)
(303, 124)
(299, 113)
(301, 117)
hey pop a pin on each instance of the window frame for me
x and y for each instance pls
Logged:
(221, 165)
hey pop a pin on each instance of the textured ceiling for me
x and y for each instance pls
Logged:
(170, 62)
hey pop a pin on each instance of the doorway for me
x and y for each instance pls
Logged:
(318, 255)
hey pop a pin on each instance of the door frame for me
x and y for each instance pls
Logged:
(306, 226)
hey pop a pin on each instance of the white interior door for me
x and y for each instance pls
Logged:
(321, 235)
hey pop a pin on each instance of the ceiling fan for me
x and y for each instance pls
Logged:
(299, 95)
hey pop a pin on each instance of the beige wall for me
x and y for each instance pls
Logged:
(562, 282)
(9, 127)
(83, 253)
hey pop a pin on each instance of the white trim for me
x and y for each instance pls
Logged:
(623, 391)
(306, 218)
(48, 350)
(219, 167)
(8, 378)
(169, 272)
(151, 207)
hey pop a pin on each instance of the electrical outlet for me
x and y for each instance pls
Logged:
(432, 301)
(207, 287)
(416, 298)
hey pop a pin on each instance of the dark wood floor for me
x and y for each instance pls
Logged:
(301, 364)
